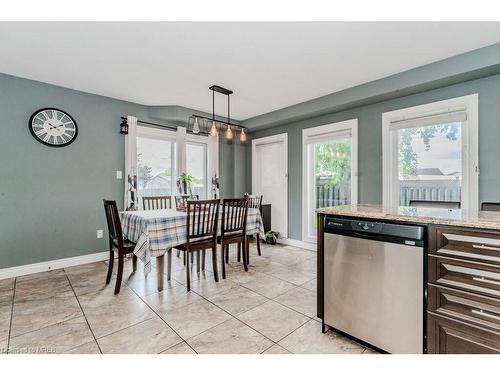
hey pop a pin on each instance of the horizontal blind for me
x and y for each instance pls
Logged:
(450, 116)
(328, 135)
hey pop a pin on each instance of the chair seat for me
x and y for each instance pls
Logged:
(128, 245)
(230, 237)
(197, 245)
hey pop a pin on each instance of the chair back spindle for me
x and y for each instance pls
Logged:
(202, 219)
(163, 202)
(234, 216)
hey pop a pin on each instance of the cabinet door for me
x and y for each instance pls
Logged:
(448, 336)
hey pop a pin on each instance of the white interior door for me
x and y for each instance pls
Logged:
(270, 177)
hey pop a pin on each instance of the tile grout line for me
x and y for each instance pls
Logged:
(163, 320)
(11, 316)
(83, 313)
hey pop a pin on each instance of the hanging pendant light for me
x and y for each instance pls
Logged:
(196, 127)
(243, 136)
(213, 129)
(229, 132)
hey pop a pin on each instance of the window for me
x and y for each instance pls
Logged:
(156, 162)
(430, 153)
(196, 166)
(330, 170)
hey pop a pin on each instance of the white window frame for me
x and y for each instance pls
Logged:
(180, 138)
(470, 149)
(319, 133)
(164, 135)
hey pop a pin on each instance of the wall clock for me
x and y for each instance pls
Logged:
(53, 127)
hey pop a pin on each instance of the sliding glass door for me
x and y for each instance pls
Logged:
(197, 166)
(330, 165)
(156, 161)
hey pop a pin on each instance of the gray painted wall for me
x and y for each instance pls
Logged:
(370, 143)
(51, 198)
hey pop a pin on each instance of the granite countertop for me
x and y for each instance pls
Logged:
(420, 215)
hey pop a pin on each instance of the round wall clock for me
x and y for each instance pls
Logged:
(53, 127)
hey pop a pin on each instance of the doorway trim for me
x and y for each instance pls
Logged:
(278, 138)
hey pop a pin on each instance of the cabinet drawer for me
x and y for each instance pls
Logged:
(469, 307)
(483, 246)
(449, 336)
(471, 276)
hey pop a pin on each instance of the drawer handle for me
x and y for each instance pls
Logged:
(485, 280)
(485, 247)
(486, 315)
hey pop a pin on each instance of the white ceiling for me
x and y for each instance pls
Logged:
(268, 65)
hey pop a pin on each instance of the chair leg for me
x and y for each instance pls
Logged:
(214, 262)
(169, 264)
(198, 261)
(239, 252)
(184, 258)
(247, 249)
(203, 260)
(178, 253)
(227, 254)
(188, 276)
(223, 263)
(258, 244)
(110, 266)
(119, 275)
(245, 254)
(134, 262)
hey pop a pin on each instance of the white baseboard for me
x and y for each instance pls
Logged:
(297, 243)
(6, 273)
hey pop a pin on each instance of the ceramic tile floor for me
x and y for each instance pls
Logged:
(269, 309)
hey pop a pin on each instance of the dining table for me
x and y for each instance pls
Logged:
(155, 232)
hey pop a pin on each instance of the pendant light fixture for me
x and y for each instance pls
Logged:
(199, 124)
(213, 130)
(243, 136)
(229, 132)
(196, 127)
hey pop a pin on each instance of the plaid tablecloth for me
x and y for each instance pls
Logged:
(156, 231)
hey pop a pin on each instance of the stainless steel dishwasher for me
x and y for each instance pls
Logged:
(374, 282)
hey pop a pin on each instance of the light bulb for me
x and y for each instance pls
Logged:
(196, 127)
(213, 130)
(229, 133)
(243, 136)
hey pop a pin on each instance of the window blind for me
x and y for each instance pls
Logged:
(447, 117)
(328, 135)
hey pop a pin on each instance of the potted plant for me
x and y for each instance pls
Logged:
(272, 237)
(187, 181)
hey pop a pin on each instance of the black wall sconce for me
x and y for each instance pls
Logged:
(124, 127)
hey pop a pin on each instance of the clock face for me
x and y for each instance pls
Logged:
(53, 127)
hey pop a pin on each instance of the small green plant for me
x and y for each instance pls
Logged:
(272, 237)
(187, 180)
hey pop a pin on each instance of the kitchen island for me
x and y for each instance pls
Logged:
(460, 269)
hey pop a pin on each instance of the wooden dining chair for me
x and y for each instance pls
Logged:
(162, 202)
(254, 201)
(117, 244)
(181, 200)
(234, 230)
(201, 234)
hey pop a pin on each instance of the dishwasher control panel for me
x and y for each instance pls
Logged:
(400, 233)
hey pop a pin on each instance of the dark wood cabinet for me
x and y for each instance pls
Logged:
(449, 336)
(463, 291)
